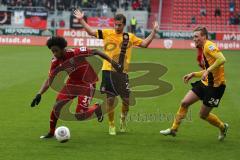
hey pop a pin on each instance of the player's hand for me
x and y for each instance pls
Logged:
(78, 14)
(36, 100)
(155, 26)
(205, 74)
(187, 77)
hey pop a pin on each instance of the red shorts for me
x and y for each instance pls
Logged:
(84, 93)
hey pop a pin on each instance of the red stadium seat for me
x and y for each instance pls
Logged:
(183, 10)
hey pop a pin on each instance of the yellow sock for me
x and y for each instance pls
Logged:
(215, 121)
(110, 110)
(124, 112)
(181, 114)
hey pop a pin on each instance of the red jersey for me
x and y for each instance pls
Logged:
(78, 68)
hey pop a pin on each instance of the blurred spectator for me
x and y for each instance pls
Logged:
(239, 18)
(50, 5)
(133, 23)
(193, 20)
(60, 5)
(104, 10)
(217, 12)
(84, 3)
(114, 8)
(69, 5)
(231, 19)
(231, 6)
(62, 23)
(53, 23)
(141, 5)
(125, 5)
(93, 4)
(140, 32)
(135, 5)
(236, 21)
(203, 11)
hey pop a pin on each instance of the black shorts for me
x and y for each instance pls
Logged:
(210, 96)
(115, 83)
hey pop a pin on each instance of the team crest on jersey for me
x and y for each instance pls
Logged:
(211, 47)
(126, 36)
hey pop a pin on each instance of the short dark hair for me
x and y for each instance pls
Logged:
(203, 30)
(57, 41)
(119, 17)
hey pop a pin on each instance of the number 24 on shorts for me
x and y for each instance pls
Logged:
(213, 101)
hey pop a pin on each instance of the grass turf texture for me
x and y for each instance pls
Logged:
(23, 69)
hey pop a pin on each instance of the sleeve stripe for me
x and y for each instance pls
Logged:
(100, 34)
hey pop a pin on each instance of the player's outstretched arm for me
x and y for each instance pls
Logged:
(115, 65)
(42, 90)
(149, 39)
(80, 15)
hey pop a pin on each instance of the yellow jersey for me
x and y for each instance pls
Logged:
(216, 77)
(112, 47)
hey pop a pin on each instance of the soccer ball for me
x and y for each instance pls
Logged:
(62, 134)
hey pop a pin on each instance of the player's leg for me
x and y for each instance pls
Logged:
(83, 110)
(211, 100)
(188, 100)
(125, 109)
(108, 88)
(110, 111)
(210, 117)
(122, 87)
(62, 99)
(205, 113)
(55, 113)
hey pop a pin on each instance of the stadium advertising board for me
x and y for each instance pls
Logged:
(100, 21)
(41, 41)
(36, 20)
(5, 18)
(93, 42)
(22, 40)
(189, 44)
(178, 35)
(228, 36)
(26, 32)
(72, 33)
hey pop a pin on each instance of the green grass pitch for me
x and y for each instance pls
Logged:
(23, 69)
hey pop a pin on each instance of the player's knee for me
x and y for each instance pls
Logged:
(125, 102)
(110, 101)
(203, 115)
(125, 108)
(184, 103)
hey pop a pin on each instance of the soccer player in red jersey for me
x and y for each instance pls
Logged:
(81, 82)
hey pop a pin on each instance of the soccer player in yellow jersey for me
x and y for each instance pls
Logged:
(118, 46)
(209, 89)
